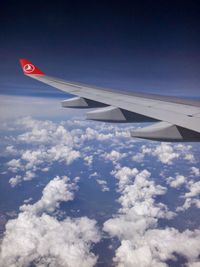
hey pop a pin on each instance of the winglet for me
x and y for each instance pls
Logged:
(29, 68)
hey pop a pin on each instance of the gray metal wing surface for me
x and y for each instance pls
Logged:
(175, 119)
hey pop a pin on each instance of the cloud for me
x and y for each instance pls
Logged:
(157, 246)
(103, 184)
(41, 143)
(105, 132)
(47, 143)
(91, 134)
(62, 153)
(14, 165)
(11, 150)
(88, 160)
(114, 156)
(139, 157)
(45, 241)
(32, 160)
(29, 176)
(35, 237)
(57, 190)
(13, 107)
(191, 197)
(135, 225)
(125, 176)
(43, 132)
(94, 174)
(177, 181)
(15, 180)
(195, 171)
(190, 157)
(165, 153)
(194, 188)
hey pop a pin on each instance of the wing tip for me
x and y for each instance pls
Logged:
(29, 68)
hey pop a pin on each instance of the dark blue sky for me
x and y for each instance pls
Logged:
(149, 46)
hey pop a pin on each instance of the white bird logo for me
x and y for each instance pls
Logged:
(28, 68)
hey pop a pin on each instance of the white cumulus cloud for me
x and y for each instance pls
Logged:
(165, 153)
(47, 143)
(135, 225)
(114, 156)
(103, 184)
(195, 171)
(37, 238)
(177, 181)
(57, 190)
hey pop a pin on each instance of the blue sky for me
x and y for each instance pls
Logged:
(140, 46)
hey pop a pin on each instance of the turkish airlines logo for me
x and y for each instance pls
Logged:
(28, 68)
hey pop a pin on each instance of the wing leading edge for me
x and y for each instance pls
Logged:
(175, 119)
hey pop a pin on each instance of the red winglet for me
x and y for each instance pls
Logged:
(29, 68)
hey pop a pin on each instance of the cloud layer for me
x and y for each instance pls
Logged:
(147, 175)
(135, 225)
(39, 238)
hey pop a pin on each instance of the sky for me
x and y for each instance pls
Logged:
(150, 46)
(78, 193)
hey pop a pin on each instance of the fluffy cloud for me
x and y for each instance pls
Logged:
(194, 189)
(105, 132)
(94, 174)
(32, 160)
(45, 241)
(57, 190)
(103, 184)
(125, 176)
(88, 160)
(91, 134)
(43, 143)
(157, 246)
(48, 143)
(195, 171)
(165, 153)
(37, 238)
(177, 181)
(62, 153)
(11, 150)
(192, 196)
(18, 178)
(142, 244)
(14, 165)
(15, 180)
(189, 157)
(138, 157)
(114, 156)
(43, 132)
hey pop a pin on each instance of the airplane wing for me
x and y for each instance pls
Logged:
(174, 119)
